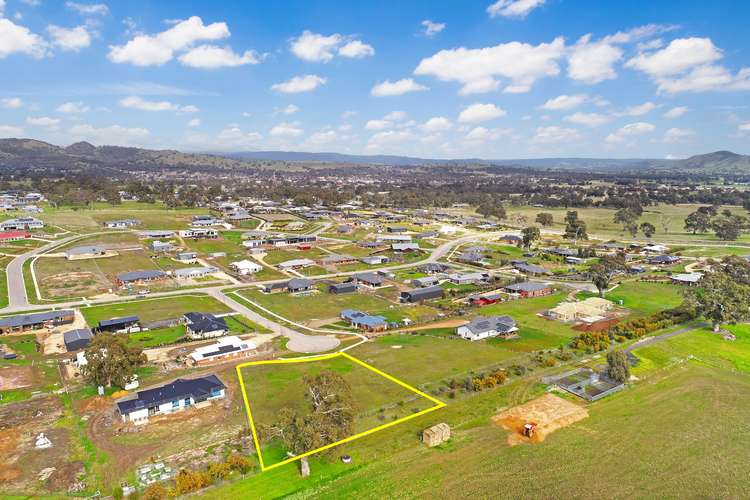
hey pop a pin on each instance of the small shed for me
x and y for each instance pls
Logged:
(436, 435)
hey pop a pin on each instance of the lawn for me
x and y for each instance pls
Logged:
(3, 281)
(157, 337)
(154, 309)
(643, 298)
(152, 216)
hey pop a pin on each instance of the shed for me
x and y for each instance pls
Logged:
(76, 340)
(436, 435)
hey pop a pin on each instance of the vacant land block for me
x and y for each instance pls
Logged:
(155, 309)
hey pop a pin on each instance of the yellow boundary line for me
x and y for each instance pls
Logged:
(438, 404)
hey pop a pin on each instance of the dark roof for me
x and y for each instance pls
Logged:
(127, 320)
(433, 267)
(343, 287)
(482, 324)
(297, 283)
(371, 278)
(77, 339)
(530, 268)
(203, 322)
(198, 388)
(141, 275)
(431, 292)
(526, 287)
(33, 319)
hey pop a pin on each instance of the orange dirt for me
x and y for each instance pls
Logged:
(16, 377)
(549, 412)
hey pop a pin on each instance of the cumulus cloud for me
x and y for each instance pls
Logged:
(10, 131)
(135, 102)
(322, 138)
(158, 49)
(11, 102)
(588, 119)
(478, 112)
(43, 121)
(69, 39)
(630, 130)
(72, 107)
(289, 109)
(286, 130)
(386, 141)
(593, 62)
(213, 57)
(689, 65)
(233, 137)
(437, 124)
(513, 8)
(564, 102)
(744, 127)
(301, 83)
(88, 9)
(483, 134)
(554, 134)
(395, 116)
(676, 112)
(16, 39)
(115, 135)
(639, 110)
(314, 47)
(399, 87)
(431, 28)
(478, 70)
(377, 124)
(195, 122)
(677, 134)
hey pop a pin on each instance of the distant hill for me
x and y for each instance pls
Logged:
(719, 162)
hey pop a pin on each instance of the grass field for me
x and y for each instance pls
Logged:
(152, 216)
(154, 309)
(4, 281)
(644, 298)
(271, 388)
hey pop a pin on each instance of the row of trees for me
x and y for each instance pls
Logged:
(726, 225)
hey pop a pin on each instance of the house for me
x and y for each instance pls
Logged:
(203, 325)
(170, 398)
(396, 229)
(483, 327)
(590, 310)
(511, 239)
(118, 324)
(372, 280)
(528, 289)
(574, 260)
(337, 260)
(36, 321)
(78, 339)
(138, 277)
(295, 264)
(655, 248)
(225, 349)
(205, 221)
(344, 229)
(562, 252)
(121, 224)
(663, 260)
(425, 282)
(405, 247)
(421, 294)
(470, 258)
(690, 279)
(187, 257)
(296, 285)
(364, 321)
(161, 246)
(433, 268)
(468, 278)
(14, 236)
(527, 268)
(199, 233)
(21, 224)
(87, 252)
(375, 260)
(245, 267)
(342, 288)
(485, 300)
(194, 272)
(393, 238)
(426, 235)
(276, 287)
(158, 233)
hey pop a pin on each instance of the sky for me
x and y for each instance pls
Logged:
(435, 79)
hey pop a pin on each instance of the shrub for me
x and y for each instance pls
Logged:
(155, 491)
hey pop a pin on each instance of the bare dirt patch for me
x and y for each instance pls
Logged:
(75, 284)
(16, 377)
(548, 412)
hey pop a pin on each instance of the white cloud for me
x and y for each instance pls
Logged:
(386, 141)
(314, 47)
(356, 50)
(91, 9)
(10, 131)
(301, 83)
(483, 134)
(676, 112)
(588, 119)
(289, 109)
(689, 65)
(115, 135)
(399, 87)
(395, 116)
(554, 134)
(69, 39)
(478, 112)
(744, 127)
(478, 70)
(232, 137)
(322, 138)
(564, 102)
(72, 107)
(287, 130)
(135, 102)
(639, 110)
(43, 121)
(11, 102)
(377, 124)
(2, 7)
(437, 124)
(195, 122)
(431, 28)
(158, 49)
(677, 134)
(213, 57)
(513, 8)
(15, 39)
(593, 62)
(629, 130)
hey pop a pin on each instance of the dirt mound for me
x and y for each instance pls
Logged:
(548, 412)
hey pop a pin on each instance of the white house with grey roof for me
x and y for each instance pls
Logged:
(483, 327)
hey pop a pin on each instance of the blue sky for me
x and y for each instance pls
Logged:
(448, 79)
